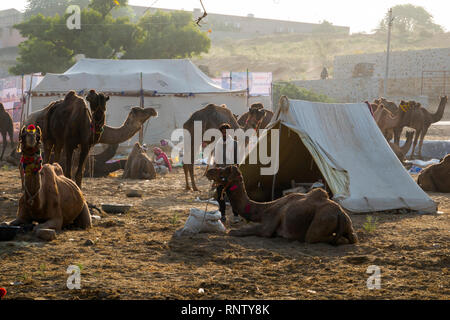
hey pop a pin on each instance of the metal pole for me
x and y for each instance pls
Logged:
(248, 89)
(141, 131)
(390, 20)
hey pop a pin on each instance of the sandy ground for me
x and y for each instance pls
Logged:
(134, 255)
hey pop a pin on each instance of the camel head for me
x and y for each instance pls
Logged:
(256, 114)
(97, 101)
(443, 99)
(224, 176)
(2, 108)
(30, 137)
(140, 115)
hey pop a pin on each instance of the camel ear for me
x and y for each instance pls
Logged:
(107, 98)
(22, 133)
(39, 133)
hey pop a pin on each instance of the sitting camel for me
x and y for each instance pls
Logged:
(138, 165)
(436, 178)
(6, 127)
(69, 123)
(401, 152)
(49, 197)
(310, 217)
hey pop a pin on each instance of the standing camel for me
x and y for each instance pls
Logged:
(6, 127)
(69, 123)
(257, 117)
(421, 120)
(211, 117)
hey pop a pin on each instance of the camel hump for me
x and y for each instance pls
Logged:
(71, 94)
(318, 194)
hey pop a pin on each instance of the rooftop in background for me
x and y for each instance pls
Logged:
(223, 25)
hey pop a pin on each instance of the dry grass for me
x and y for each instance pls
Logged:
(135, 257)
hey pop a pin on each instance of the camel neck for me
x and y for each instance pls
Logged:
(112, 135)
(437, 116)
(241, 203)
(31, 163)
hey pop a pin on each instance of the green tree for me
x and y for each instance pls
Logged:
(51, 46)
(49, 8)
(410, 21)
(293, 92)
(105, 6)
(168, 35)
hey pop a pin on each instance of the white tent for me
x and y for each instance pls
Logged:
(175, 88)
(342, 144)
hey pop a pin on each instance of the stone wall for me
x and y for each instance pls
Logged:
(402, 64)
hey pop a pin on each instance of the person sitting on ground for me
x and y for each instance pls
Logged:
(162, 163)
(227, 154)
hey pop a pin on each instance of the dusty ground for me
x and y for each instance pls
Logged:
(135, 257)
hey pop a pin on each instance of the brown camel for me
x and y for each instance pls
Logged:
(310, 217)
(401, 152)
(389, 123)
(420, 120)
(6, 127)
(257, 117)
(49, 198)
(211, 117)
(70, 123)
(436, 178)
(138, 165)
(136, 118)
(391, 106)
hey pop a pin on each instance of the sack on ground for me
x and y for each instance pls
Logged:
(199, 221)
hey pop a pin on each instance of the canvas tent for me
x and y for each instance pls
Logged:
(174, 87)
(341, 144)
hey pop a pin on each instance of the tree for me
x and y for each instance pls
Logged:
(168, 35)
(49, 8)
(51, 46)
(411, 21)
(293, 92)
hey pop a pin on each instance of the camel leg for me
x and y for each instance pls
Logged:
(422, 136)
(397, 134)
(185, 169)
(47, 151)
(321, 229)
(191, 173)
(416, 137)
(22, 217)
(84, 219)
(83, 155)
(248, 230)
(68, 167)
(4, 144)
(55, 224)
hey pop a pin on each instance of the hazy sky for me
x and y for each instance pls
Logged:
(360, 15)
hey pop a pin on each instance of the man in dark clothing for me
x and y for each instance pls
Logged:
(229, 145)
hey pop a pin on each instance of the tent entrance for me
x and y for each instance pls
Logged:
(295, 165)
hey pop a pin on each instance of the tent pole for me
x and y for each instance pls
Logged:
(275, 174)
(248, 89)
(29, 97)
(141, 131)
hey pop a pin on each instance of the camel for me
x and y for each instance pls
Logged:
(391, 106)
(421, 120)
(138, 165)
(257, 117)
(310, 217)
(211, 117)
(389, 123)
(70, 123)
(49, 198)
(436, 178)
(101, 167)
(401, 152)
(6, 127)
